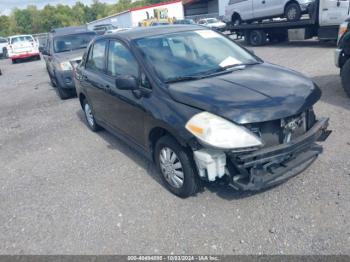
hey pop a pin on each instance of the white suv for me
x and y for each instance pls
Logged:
(22, 46)
(250, 10)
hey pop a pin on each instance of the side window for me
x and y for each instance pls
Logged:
(96, 58)
(121, 61)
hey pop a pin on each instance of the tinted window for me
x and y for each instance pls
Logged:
(72, 42)
(3, 40)
(121, 61)
(96, 59)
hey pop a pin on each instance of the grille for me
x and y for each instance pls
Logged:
(283, 130)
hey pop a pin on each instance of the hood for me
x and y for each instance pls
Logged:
(70, 55)
(258, 93)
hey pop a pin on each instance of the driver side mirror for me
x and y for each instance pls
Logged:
(44, 51)
(126, 82)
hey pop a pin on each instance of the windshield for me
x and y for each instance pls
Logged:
(18, 39)
(191, 53)
(72, 42)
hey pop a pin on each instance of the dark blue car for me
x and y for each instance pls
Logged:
(201, 107)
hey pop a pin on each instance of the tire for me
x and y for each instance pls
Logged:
(236, 20)
(4, 53)
(63, 94)
(89, 117)
(292, 12)
(52, 80)
(247, 38)
(345, 77)
(14, 61)
(257, 38)
(190, 181)
(38, 57)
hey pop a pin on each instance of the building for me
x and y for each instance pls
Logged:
(134, 16)
(197, 9)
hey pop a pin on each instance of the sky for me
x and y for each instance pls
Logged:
(7, 5)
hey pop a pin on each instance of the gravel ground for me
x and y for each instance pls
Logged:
(67, 190)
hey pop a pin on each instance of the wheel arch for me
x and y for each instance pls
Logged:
(82, 97)
(159, 131)
(288, 3)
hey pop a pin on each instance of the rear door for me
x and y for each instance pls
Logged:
(333, 12)
(267, 8)
(93, 79)
(243, 7)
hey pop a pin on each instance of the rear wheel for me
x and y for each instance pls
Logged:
(176, 167)
(292, 12)
(345, 77)
(14, 61)
(89, 115)
(257, 38)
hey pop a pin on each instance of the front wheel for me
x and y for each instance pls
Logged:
(176, 167)
(345, 77)
(292, 12)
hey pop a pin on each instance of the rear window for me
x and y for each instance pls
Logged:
(18, 39)
(3, 40)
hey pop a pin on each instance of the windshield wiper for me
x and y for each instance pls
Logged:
(182, 78)
(225, 69)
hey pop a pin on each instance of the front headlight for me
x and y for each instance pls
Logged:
(217, 132)
(66, 66)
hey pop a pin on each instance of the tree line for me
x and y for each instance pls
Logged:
(32, 20)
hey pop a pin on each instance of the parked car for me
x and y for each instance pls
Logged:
(21, 47)
(63, 46)
(200, 106)
(103, 28)
(213, 23)
(184, 22)
(238, 11)
(342, 55)
(3, 45)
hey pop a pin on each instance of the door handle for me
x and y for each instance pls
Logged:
(325, 9)
(264, 2)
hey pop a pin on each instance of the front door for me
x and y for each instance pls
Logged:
(126, 112)
(333, 12)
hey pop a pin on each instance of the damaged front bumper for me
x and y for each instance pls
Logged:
(268, 166)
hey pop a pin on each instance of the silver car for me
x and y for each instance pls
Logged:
(250, 10)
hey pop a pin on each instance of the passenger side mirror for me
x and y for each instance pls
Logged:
(127, 82)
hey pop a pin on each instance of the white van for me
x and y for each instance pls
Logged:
(250, 10)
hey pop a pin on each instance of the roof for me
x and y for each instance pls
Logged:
(155, 5)
(69, 30)
(141, 32)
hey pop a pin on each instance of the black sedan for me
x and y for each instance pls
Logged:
(201, 107)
